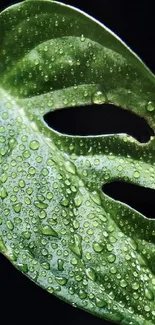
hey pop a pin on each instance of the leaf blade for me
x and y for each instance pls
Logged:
(67, 227)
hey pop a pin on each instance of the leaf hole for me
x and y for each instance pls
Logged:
(138, 197)
(97, 120)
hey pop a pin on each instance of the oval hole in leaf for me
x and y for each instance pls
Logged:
(139, 198)
(99, 119)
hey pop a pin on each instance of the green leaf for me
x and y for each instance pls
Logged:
(56, 224)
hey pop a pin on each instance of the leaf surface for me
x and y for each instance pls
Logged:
(56, 224)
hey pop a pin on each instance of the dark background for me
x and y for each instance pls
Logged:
(21, 300)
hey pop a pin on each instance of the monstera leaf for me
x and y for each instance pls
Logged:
(56, 224)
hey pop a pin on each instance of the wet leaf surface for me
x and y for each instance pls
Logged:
(56, 224)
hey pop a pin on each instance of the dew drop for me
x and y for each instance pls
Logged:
(82, 294)
(46, 78)
(4, 177)
(99, 98)
(42, 214)
(70, 167)
(64, 202)
(40, 205)
(34, 145)
(100, 303)
(44, 252)
(119, 168)
(91, 274)
(95, 198)
(150, 107)
(49, 196)
(113, 270)
(74, 261)
(135, 286)
(85, 94)
(26, 154)
(75, 224)
(76, 248)
(22, 183)
(48, 231)
(26, 234)
(97, 247)
(12, 257)
(71, 291)
(17, 207)
(102, 217)
(10, 225)
(45, 265)
(65, 101)
(111, 258)
(23, 267)
(17, 220)
(12, 143)
(61, 280)
(88, 256)
(3, 193)
(123, 283)
(50, 289)
(60, 264)
(82, 38)
(32, 171)
(147, 308)
(135, 295)
(24, 138)
(78, 199)
(79, 277)
(149, 294)
(3, 248)
(45, 172)
(36, 61)
(136, 174)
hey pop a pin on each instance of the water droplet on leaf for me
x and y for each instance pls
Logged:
(149, 294)
(100, 303)
(48, 231)
(78, 199)
(17, 207)
(97, 247)
(40, 205)
(61, 280)
(34, 145)
(76, 248)
(91, 274)
(150, 107)
(99, 98)
(3, 193)
(136, 174)
(70, 167)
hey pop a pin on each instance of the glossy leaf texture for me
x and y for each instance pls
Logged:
(56, 224)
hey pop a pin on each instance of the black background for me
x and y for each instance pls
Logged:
(22, 301)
